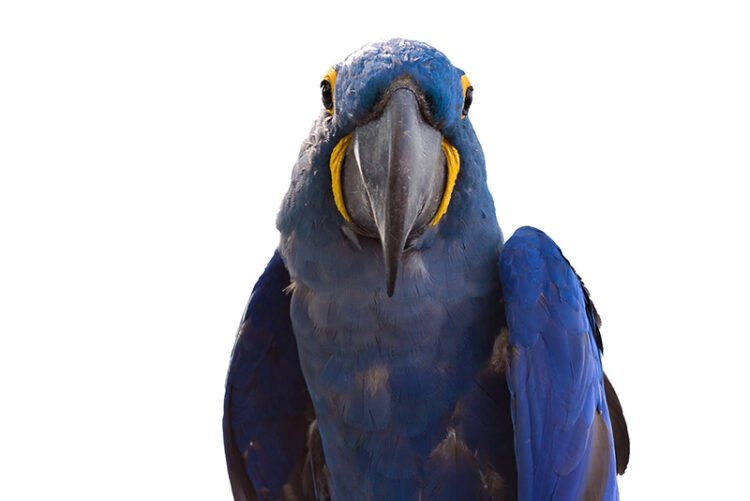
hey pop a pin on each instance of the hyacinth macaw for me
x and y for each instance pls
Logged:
(395, 347)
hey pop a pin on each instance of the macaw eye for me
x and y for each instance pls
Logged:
(326, 90)
(467, 99)
(468, 94)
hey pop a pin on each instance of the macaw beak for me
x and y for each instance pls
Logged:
(394, 177)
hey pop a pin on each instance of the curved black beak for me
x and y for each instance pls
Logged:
(394, 177)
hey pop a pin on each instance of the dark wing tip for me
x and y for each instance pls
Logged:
(242, 490)
(598, 474)
(619, 427)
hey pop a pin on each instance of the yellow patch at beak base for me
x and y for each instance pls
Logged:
(337, 160)
(453, 161)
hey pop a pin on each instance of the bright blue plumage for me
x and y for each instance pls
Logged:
(562, 426)
(409, 392)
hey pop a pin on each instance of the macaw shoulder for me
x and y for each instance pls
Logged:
(534, 272)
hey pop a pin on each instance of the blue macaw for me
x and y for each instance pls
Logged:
(395, 348)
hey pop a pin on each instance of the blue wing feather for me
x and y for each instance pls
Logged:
(266, 406)
(563, 435)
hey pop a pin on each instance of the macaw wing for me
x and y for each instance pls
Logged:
(267, 410)
(563, 431)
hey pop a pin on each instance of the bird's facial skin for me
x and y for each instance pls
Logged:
(393, 173)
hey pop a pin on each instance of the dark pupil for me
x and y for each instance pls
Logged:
(325, 87)
(467, 100)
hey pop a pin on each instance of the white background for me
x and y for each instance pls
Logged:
(145, 147)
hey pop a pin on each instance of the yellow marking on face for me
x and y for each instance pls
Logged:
(454, 165)
(337, 160)
(465, 84)
(330, 76)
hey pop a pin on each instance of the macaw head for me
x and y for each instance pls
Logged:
(397, 135)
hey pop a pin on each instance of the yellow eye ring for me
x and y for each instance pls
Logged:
(327, 87)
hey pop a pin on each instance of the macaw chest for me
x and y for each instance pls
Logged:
(401, 385)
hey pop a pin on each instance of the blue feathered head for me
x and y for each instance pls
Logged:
(364, 78)
(393, 156)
